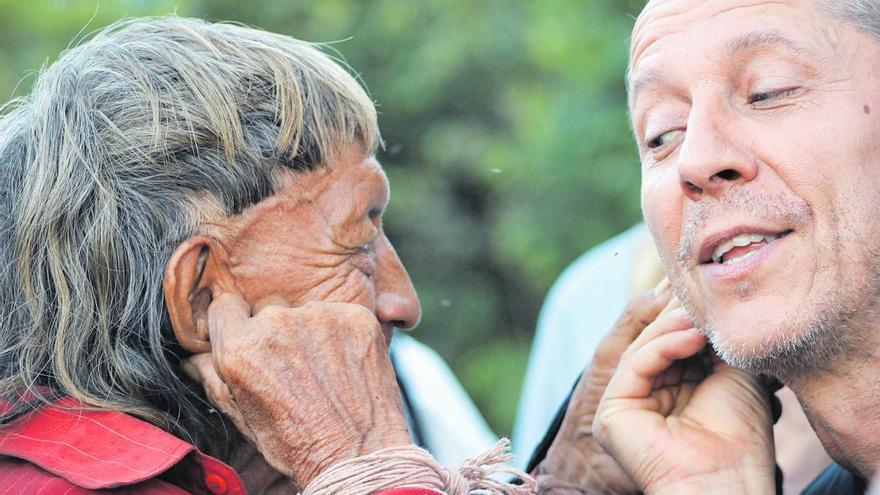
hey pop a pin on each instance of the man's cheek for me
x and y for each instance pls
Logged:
(664, 230)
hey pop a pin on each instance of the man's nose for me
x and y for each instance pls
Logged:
(396, 300)
(710, 159)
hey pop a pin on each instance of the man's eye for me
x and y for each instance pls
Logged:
(762, 96)
(662, 139)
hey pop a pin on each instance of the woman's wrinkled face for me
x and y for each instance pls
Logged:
(320, 238)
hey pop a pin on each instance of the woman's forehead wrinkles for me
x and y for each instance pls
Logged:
(379, 189)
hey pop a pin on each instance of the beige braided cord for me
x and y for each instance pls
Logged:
(413, 467)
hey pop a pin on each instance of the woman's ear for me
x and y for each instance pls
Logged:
(190, 275)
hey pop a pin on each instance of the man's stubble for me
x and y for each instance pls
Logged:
(812, 338)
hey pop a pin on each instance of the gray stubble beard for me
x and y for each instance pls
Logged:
(812, 340)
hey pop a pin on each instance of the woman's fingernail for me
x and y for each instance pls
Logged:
(678, 312)
(671, 305)
(662, 287)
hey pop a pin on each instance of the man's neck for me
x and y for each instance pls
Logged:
(843, 406)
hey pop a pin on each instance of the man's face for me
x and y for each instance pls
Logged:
(757, 124)
(320, 238)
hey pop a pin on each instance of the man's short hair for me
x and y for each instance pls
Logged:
(863, 13)
(106, 167)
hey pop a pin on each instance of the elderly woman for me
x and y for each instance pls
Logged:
(194, 211)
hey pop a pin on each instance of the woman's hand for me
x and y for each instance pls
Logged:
(575, 459)
(680, 422)
(309, 386)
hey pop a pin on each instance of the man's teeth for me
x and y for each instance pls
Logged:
(740, 241)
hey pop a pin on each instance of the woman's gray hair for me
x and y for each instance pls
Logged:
(104, 169)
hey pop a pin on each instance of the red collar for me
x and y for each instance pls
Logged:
(100, 449)
(107, 449)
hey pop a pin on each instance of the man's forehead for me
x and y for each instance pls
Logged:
(661, 18)
(723, 28)
(730, 48)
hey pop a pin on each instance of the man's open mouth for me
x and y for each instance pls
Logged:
(742, 247)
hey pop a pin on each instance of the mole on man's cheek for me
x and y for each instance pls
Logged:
(867, 109)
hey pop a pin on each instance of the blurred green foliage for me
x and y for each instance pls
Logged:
(508, 146)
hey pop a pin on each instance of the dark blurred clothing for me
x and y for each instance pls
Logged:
(836, 481)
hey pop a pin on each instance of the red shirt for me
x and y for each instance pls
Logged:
(57, 451)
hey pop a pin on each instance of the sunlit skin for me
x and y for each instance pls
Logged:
(761, 116)
(786, 114)
(289, 308)
(320, 238)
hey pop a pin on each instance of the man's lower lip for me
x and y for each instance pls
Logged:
(744, 268)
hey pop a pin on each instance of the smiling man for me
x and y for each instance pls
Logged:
(757, 127)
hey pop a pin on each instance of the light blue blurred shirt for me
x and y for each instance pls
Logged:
(451, 427)
(579, 310)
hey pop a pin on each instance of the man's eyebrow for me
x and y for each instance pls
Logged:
(749, 41)
(765, 38)
(645, 79)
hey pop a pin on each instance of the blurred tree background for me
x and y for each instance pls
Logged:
(508, 146)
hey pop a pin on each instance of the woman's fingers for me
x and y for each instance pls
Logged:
(226, 314)
(676, 319)
(637, 315)
(638, 372)
(268, 302)
(673, 303)
(200, 368)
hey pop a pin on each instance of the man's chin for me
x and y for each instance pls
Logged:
(752, 357)
(741, 347)
(743, 332)
(788, 350)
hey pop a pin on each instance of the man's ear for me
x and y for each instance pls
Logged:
(190, 276)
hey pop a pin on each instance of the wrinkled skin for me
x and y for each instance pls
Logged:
(603, 452)
(321, 239)
(319, 413)
(752, 116)
(305, 291)
(575, 461)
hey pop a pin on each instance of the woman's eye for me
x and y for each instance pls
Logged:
(662, 139)
(365, 258)
(762, 96)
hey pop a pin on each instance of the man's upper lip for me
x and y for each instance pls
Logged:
(713, 240)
